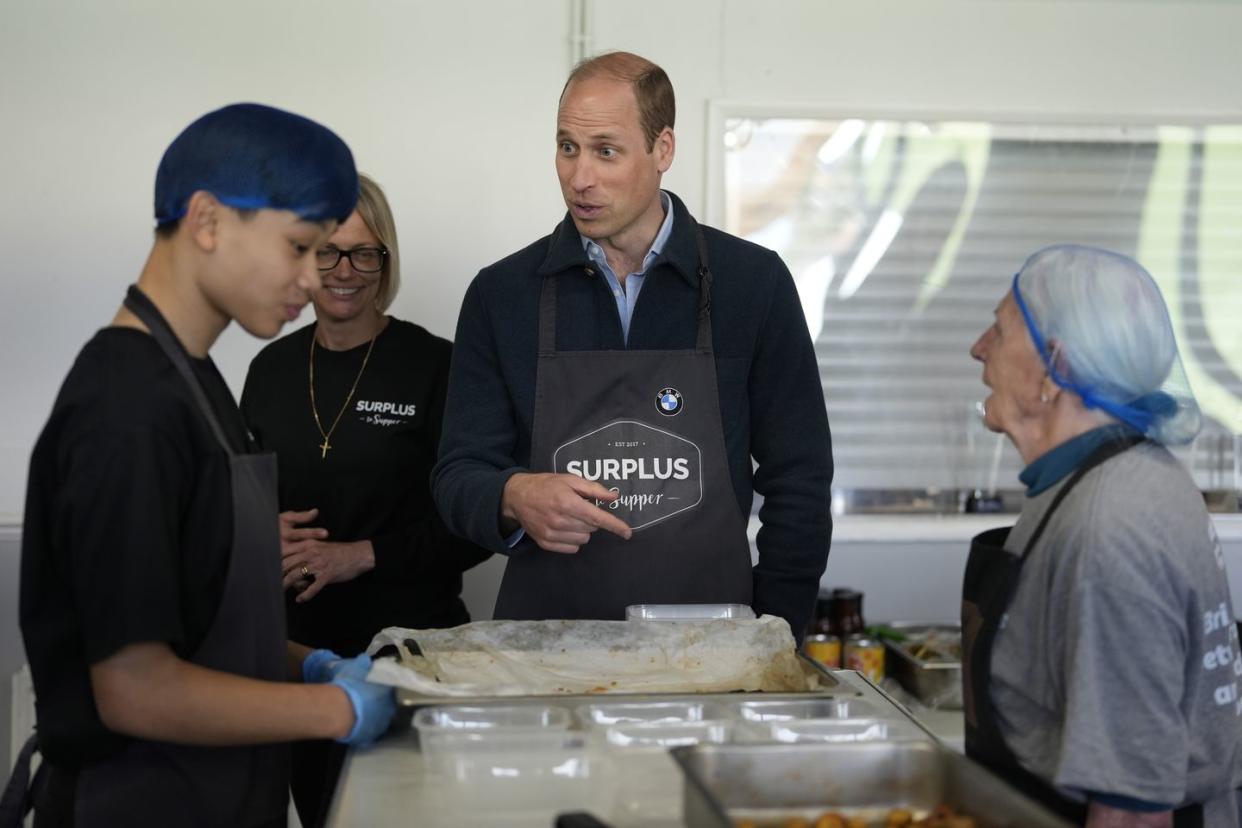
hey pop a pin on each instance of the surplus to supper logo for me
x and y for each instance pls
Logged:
(655, 473)
(385, 414)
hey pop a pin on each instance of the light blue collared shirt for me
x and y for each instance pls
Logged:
(627, 296)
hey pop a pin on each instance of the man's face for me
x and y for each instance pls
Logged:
(263, 269)
(609, 179)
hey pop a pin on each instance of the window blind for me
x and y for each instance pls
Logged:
(903, 236)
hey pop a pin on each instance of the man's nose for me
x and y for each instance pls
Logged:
(583, 176)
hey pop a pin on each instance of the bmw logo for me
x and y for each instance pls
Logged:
(668, 402)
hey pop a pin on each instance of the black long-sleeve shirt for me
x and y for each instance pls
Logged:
(771, 403)
(373, 483)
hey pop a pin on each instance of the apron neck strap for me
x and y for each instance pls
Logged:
(141, 306)
(703, 343)
(1104, 452)
(703, 338)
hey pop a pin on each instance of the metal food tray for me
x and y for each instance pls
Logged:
(935, 683)
(686, 612)
(771, 784)
(828, 685)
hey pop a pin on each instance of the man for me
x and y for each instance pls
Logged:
(151, 601)
(621, 375)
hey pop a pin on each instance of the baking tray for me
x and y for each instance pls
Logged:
(937, 684)
(828, 685)
(770, 784)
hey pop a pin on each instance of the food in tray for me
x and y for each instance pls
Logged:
(935, 646)
(942, 816)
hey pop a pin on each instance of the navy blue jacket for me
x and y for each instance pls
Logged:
(771, 403)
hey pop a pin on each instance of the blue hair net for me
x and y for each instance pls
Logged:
(251, 156)
(1102, 329)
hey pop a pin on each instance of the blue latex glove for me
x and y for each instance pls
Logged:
(320, 666)
(374, 704)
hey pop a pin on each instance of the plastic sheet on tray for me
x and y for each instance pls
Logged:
(515, 658)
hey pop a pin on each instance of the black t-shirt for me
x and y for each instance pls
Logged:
(374, 483)
(128, 527)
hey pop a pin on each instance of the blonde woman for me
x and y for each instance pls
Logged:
(352, 406)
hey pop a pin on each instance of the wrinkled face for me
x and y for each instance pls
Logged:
(263, 267)
(608, 177)
(347, 292)
(1012, 368)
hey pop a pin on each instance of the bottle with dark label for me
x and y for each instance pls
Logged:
(846, 617)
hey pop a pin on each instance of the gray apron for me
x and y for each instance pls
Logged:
(156, 783)
(645, 424)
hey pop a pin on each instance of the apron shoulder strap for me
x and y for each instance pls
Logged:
(1104, 452)
(141, 306)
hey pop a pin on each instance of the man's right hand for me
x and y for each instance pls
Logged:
(556, 510)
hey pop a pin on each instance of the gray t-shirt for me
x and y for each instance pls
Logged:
(1117, 668)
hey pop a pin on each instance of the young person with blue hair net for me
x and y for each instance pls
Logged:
(1101, 660)
(151, 600)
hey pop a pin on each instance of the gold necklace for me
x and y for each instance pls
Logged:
(325, 445)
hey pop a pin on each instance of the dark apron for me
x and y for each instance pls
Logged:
(646, 424)
(992, 575)
(157, 783)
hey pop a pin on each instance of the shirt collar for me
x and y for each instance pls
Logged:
(596, 253)
(1057, 462)
(679, 249)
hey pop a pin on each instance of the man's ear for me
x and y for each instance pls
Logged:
(202, 220)
(665, 147)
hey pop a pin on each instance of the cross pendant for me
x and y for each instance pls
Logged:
(324, 449)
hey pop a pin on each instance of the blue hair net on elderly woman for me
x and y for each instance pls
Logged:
(1103, 331)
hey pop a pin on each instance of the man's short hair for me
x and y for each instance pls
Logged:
(653, 90)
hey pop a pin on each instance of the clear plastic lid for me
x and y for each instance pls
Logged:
(491, 718)
(822, 708)
(686, 612)
(830, 730)
(664, 735)
(670, 712)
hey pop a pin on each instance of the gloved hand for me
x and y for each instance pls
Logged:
(374, 704)
(320, 666)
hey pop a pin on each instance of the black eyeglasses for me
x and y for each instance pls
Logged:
(362, 259)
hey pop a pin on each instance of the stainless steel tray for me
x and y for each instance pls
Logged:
(769, 784)
(935, 683)
(828, 685)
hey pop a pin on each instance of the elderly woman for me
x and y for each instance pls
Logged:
(352, 405)
(1101, 657)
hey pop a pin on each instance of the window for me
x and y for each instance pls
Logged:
(902, 235)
